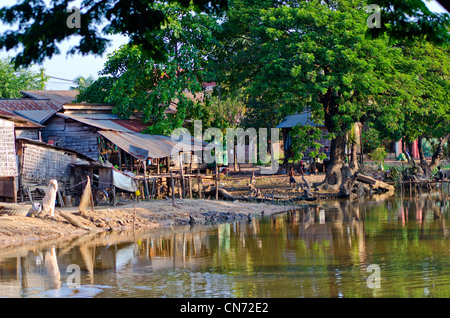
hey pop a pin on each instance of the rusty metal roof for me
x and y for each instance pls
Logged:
(59, 97)
(33, 109)
(18, 120)
(28, 104)
(143, 146)
(106, 121)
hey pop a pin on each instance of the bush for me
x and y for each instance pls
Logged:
(378, 155)
(370, 140)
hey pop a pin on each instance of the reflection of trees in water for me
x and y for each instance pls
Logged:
(335, 240)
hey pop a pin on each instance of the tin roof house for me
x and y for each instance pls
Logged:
(26, 165)
(290, 122)
(93, 130)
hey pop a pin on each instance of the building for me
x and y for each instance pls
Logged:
(290, 122)
(26, 165)
(93, 130)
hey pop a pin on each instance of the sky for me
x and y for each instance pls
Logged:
(63, 68)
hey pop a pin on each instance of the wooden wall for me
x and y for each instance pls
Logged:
(27, 133)
(8, 163)
(41, 164)
(71, 134)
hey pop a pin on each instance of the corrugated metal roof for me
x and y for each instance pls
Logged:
(59, 97)
(18, 120)
(38, 116)
(106, 122)
(33, 109)
(133, 125)
(293, 120)
(143, 146)
(28, 104)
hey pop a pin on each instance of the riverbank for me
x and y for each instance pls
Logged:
(16, 230)
(160, 213)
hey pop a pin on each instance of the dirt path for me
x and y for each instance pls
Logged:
(151, 214)
(145, 214)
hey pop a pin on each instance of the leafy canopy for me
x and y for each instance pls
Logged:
(12, 80)
(294, 55)
(38, 26)
(135, 82)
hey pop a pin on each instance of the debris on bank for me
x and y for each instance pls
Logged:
(68, 222)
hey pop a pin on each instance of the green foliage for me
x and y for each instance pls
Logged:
(39, 26)
(379, 155)
(420, 95)
(411, 20)
(304, 142)
(309, 54)
(12, 80)
(83, 82)
(134, 82)
(370, 140)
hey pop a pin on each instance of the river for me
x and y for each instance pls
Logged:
(399, 247)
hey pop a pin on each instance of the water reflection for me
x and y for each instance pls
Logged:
(314, 251)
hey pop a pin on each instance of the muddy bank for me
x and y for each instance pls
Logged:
(16, 230)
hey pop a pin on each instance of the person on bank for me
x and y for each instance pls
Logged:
(292, 181)
(439, 175)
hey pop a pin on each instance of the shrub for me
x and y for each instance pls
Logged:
(378, 155)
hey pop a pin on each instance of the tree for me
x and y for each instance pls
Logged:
(425, 111)
(13, 81)
(311, 54)
(226, 112)
(133, 81)
(315, 54)
(83, 82)
(411, 20)
(39, 26)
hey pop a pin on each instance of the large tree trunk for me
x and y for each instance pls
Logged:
(353, 163)
(437, 156)
(337, 149)
(423, 161)
(337, 160)
(435, 159)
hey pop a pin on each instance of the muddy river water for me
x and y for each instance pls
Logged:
(396, 248)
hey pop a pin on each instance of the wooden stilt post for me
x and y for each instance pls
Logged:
(217, 182)
(173, 190)
(153, 187)
(190, 187)
(120, 158)
(200, 187)
(158, 187)
(14, 189)
(114, 195)
(145, 180)
(182, 175)
(60, 199)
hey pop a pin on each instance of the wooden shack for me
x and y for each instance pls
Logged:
(39, 162)
(8, 163)
(11, 125)
(93, 130)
